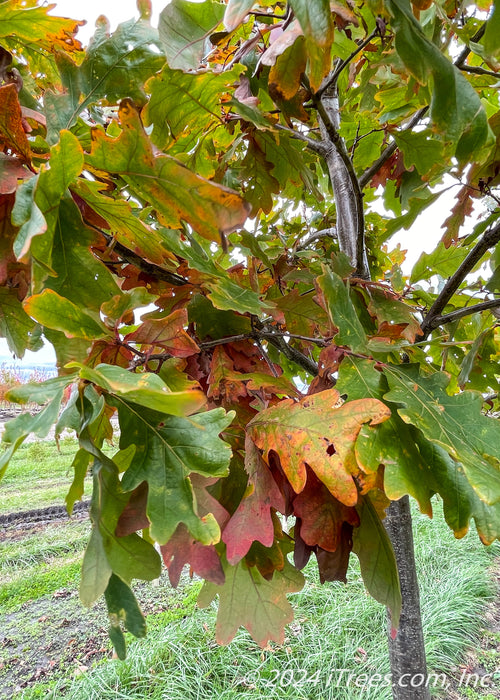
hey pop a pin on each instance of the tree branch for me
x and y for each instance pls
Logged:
(316, 235)
(489, 239)
(460, 313)
(292, 354)
(477, 70)
(318, 147)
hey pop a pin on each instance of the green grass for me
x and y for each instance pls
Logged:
(39, 463)
(52, 557)
(336, 627)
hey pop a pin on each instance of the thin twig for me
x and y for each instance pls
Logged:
(266, 358)
(331, 79)
(489, 239)
(366, 176)
(477, 70)
(316, 235)
(466, 311)
(128, 256)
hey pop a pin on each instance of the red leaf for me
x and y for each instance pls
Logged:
(166, 333)
(252, 520)
(182, 549)
(133, 517)
(321, 515)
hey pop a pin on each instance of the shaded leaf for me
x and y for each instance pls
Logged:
(376, 557)
(321, 515)
(315, 19)
(166, 333)
(15, 324)
(342, 312)
(252, 519)
(184, 30)
(11, 170)
(12, 133)
(456, 109)
(249, 600)
(168, 449)
(118, 218)
(182, 549)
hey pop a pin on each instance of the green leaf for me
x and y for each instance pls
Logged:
(456, 108)
(420, 150)
(176, 192)
(17, 430)
(35, 26)
(79, 466)
(376, 557)
(145, 389)
(229, 296)
(455, 423)
(130, 556)
(184, 30)
(492, 33)
(114, 66)
(342, 312)
(168, 449)
(38, 207)
(470, 358)
(442, 261)
(249, 600)
(15, 324)
(54, 311)
(236, 11)
(122, 607)
(460, 502)
(186, 103)
(96, 571)
(81, 277)
(38, 392)
(389, 443)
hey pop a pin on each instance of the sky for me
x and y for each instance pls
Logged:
(424, 235)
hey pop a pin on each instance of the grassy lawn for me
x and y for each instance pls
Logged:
(337, 636)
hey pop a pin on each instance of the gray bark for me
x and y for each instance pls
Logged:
(407, 650)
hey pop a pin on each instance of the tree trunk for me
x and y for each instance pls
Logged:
(407, 650)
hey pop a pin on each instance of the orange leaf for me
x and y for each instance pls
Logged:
(12, 133)
(313, 432)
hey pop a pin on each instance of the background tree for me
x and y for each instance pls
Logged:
(222, 173)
